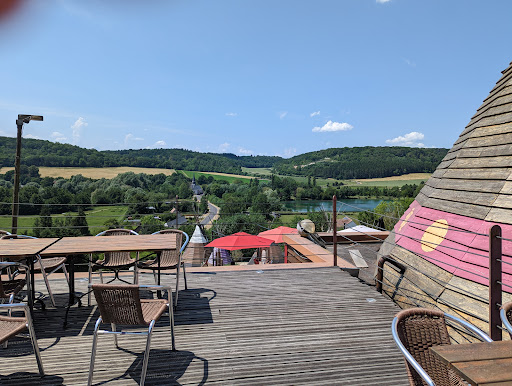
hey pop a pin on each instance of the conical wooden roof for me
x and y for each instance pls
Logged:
(475, 177)
(443, 233)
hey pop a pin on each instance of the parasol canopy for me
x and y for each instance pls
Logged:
(240, 240)
(276, 234)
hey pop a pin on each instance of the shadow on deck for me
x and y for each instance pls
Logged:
(302, 326)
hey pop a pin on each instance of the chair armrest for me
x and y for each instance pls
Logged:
(468, 326)
(14, 306)
(187, 238)
(5, 264)
(408, 357)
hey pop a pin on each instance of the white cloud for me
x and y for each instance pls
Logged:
(290, 152)
(224, 147)
(77, 129)
(243, 151)
(160, 144)
(411, 139)
(130, 137)
(333, 126)
(58, 137)
(283, 114)
(315, 113)
(231, 114)
(31, 136)
(382, 1)
(409, 62)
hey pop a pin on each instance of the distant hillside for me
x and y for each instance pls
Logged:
(362, 162)
(340, 163)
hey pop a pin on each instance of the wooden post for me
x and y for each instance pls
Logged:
(495, 289)
(16, 190)
(334, 232)
(177, 212)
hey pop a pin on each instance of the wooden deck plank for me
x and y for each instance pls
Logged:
(301, 326)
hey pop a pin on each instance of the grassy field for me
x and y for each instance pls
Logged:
(95, 173)
(95, 218)
(218, 176)
(263, 171)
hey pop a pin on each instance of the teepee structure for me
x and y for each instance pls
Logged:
(194, 254)
(442, 238)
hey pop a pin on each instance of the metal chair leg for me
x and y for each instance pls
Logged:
(90, 281)
(115, 335)
(33, 339)
(146, 354)
(93, 351)
(171, 319)
(177, 285)
(185, 277)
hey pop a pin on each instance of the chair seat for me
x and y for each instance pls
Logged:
(50, 263)
(153, 264)
(11, 326)
(13, 286)
(152, 309)
(111, 264)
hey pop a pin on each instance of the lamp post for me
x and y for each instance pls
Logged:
(22, 118)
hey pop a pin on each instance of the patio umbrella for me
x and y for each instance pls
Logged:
(276, 234)
(240, 240)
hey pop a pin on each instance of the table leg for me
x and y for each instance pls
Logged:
(71, 301)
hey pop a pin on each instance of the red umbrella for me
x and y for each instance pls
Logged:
(276, 234)
(240, 240)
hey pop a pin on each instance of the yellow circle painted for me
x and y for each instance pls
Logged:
(434, 235)
(404, 221)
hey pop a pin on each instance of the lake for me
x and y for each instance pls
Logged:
(344, 205)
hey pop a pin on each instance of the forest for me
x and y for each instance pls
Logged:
(338, 163)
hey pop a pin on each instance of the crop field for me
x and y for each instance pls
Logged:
(95, 173)
(95, 218)
(218, 176)
(263, 171)
(413, 178)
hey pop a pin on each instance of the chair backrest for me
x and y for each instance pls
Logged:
(119, 304)
(506, 317)
(2, 232)
(415, 330)
(419, 329)
(173, 257)
(117, 258)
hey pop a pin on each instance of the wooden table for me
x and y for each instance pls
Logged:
(479, 363)
(25, 249)
(69, 246)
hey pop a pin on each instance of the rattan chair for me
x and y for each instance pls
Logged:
(45, 266)
(12, 326)
(415, 330)
(170, 259)
(122, 305)
(506, 317)
(114, 261)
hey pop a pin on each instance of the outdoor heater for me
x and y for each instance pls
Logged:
(22, 118)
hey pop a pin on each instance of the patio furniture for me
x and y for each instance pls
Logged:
(415, 330)
(114, 261)
(169, 260)
(45, 266)
(506, 316)
(12, 326)
(122, 305)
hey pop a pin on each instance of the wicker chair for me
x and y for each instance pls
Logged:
(10, 288)
(45, 266)
(121, 305)
(114, 261)
(12, 326)
(170, 259)
(506, 317)
(415, 330)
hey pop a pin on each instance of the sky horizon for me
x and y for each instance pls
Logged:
(249, 78)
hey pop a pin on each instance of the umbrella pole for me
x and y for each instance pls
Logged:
(285, 253)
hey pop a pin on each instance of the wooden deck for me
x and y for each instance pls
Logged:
(290, 326)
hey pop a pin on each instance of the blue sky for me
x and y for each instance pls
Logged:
(269, 77)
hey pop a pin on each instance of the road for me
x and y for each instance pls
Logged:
(213, 214)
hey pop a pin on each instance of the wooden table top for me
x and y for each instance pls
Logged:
(21, 248)
(93, 244)
(479, 363)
